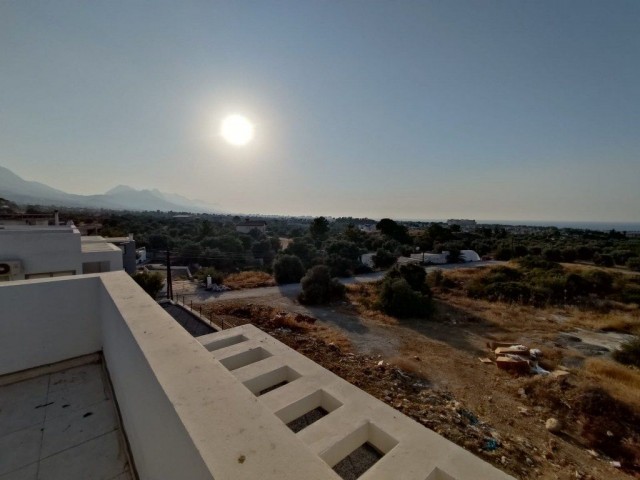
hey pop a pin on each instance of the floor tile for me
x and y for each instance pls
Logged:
(99, 459)
(76, 427)
(30, 472)
(74, 376)
(22, 404)
(20, 448)
(78, 395)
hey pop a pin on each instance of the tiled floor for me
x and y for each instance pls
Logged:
(61, 426)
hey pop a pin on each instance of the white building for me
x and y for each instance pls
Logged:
(247, 226)
(191, 409)
(28, 252)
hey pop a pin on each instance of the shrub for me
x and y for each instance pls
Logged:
(414, 275)
(634, 264)
(502, 274)
(397, 298)
(150, 282)
(340, 266)
(601, 282)
(603, 260)
(508, 291)
(531, 262)
(552, 255)
(383, 258)
(216, 276)
(569, 255)
(629, 353)
(630, 293)
(287, 269)
(577, 286)
(318, 287)
(435, 278)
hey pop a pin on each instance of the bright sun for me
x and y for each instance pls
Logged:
(237, 130)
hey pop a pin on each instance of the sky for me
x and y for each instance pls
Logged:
(523, 110)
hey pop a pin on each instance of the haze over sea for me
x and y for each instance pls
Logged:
(618, 226)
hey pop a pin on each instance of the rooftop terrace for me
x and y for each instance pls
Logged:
(236, 404)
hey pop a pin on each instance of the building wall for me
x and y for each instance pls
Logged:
(47, 321)
(247, 229)
(46, 250)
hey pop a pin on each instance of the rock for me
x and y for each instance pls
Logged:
(553, 425)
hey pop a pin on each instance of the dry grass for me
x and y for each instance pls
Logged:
(626, 320)
(620, 381)
(249, 279)
(362, 298)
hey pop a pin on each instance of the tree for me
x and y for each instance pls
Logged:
(319, 227)
(150, 282)
(394, 230)
(397, 298)
(303, 249)
(287, 269)
(413, 274)
(387, 227)
(318, 287)
(383, 258)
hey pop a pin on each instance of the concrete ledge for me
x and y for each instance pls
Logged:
(353, 417)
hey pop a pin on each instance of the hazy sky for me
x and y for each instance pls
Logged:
(409, 109)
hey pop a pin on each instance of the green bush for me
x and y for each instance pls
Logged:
(508, 292)
(503, 254)
(287, 269)
(415, 276)
(340, 266)
(634, 264)
(397, 298)
(435, 278)
(601, 282)
(502, 274)
(216, 276)
(150, 282)
(383, 258)
(603, 260)
(629, 353)
(532, 262)
(630, 293)
(318, 287)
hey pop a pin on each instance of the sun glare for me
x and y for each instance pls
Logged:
(237, 130)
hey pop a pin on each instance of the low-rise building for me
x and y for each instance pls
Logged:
(247, 226)
(28, 252)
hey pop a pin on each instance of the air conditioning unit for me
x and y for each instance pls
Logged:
(10, 267)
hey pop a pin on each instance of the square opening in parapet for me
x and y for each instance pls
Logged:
(359, 461)
(358, 451)
(308, 409)
(270, 381)
(245, 358)
(217, 344)
(273, 387)
(307, 419)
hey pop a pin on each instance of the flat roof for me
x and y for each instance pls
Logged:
(93, 247)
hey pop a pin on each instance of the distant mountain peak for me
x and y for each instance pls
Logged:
(121, 197)
(120, 189)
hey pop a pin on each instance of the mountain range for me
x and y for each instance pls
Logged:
(122, 197)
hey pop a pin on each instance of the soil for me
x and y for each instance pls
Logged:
(430, 371)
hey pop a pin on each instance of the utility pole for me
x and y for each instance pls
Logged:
(169, 283)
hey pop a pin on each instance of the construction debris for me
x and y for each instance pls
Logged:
(519, 359)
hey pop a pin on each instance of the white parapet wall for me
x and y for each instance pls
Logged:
(410, 451)
(193, 410)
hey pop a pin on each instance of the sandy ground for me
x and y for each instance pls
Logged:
(445, 353)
